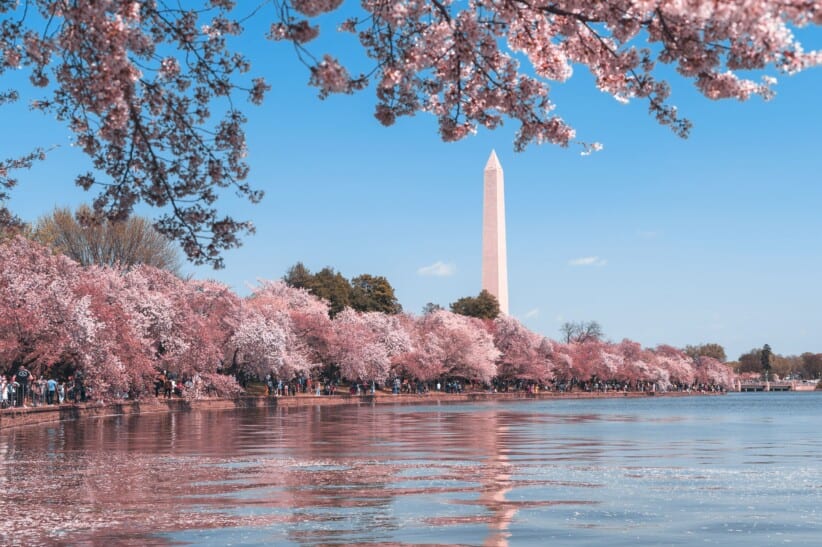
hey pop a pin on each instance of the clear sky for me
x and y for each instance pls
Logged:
(662, 240)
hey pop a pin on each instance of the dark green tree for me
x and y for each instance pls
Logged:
(364, 293)
(483, 306)
(299, 276)
(373, 293)
(334, 287)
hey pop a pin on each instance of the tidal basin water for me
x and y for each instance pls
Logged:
(741, 469)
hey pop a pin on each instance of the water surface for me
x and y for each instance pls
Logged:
(742, 469)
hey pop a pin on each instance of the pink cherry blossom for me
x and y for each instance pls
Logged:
(366, 344)
(149, 89)
(524, 354)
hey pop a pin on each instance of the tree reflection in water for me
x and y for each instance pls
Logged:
(302, 475)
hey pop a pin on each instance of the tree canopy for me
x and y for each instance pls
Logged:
(374, 293)
(765, 361)
(332, 286)
(707, 350)
(483, 306)
(150, 89)
(364, 293)
(125, 243)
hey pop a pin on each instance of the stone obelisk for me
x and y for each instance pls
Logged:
(494, 259)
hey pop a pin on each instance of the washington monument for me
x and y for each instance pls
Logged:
(494, 259)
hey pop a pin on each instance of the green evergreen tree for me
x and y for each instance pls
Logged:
(765, 359)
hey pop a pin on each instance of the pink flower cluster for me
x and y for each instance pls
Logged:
(460, 61)
(147, 88)
(136, 83)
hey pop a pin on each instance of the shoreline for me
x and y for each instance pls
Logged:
(18, 417)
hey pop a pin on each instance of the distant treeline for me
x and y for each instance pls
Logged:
(807, 366)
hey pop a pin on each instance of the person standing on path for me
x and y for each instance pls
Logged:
(23, 376)
(51, 390)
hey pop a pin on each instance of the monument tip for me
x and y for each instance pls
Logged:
(493, 161)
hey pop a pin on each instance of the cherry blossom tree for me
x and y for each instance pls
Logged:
(524, 355)
(150, 296)
(612, 365)
(308, 315)
(712, 372)
(180, 318)
(266, 344)
(367, 342)
(136, 83)
(150, 89)
(563, 361)
(599, 360)
(455, 346)
(679, 366)
(119, 360)
(639, 365)
(217, 311)
(459, 61)
(283, 297)
(42, 319)
(425, 358)
(116, 327)
(186, 325)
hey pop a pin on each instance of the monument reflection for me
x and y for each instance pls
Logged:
(388, 475)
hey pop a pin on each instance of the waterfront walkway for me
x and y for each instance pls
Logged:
(17, 416)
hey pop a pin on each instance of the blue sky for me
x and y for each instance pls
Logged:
(661, 240)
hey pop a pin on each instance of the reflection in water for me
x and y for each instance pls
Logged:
(498, 473)
(622, 472)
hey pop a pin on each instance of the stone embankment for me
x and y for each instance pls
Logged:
(14, 417)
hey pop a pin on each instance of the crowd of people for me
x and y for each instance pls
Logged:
(324, 386)
(301, 384)
(398, 386)
(595, 385)
(167, 384)
(22, 389)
